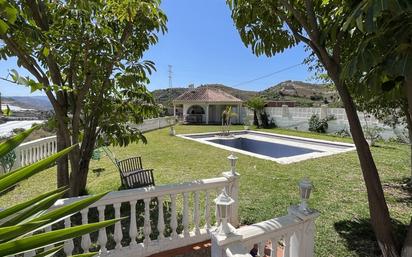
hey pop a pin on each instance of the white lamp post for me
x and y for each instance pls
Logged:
(223, 208)
(232, 159)
(305, 187)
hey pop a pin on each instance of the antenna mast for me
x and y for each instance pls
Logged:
(170, 76)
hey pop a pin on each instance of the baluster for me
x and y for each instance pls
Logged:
(161, 220)
(86, 242)
(30, 254)
(68, 244)
(186, 214)
(118, 235)
(262, 248)
(275, 244)
(286, 241)
(30, 155)
(102, 238)
(26, 157)
(207, 212)
(196, 214)
(133, 225)
(147, 230)
(173, 221)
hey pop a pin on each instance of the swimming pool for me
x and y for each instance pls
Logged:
(280, 148)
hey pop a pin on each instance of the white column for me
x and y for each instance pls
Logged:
(239, 117)
(174, 110)
(207, 113)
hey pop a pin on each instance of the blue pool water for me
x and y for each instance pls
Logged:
(264, 148)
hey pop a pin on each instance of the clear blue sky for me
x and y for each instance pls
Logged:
(204, 47)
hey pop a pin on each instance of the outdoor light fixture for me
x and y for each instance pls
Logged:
(305, 187)
(223, 209)
(232, 159)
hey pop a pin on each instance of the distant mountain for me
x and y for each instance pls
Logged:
(40, 103)
(304, 94)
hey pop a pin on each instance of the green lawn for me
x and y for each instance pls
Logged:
(267, 188)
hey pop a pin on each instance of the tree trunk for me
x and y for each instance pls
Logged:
(255, 119)
(378, 208)
(408, 86)
(407, 245)
(78, 176)
(61, 137)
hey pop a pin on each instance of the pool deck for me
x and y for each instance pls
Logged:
(326, 148)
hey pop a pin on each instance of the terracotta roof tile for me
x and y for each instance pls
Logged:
(206, 94)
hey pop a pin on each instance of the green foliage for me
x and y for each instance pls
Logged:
(7, 161)
(20, 221)
(319, 125)
(87, 57)
(343, 133)
(227, 115)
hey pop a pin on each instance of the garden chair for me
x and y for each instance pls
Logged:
(133, 175)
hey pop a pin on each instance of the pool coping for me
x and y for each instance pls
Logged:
(281, 160)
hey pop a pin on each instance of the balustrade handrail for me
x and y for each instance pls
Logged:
(151, 192)
(36, 141)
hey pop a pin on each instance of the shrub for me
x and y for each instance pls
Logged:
(343, 133)
(319, 125)
(7, 161)
(372, 134)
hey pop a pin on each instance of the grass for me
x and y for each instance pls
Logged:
(267, 188)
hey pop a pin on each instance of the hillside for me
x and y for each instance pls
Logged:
(304, 94)
(40, 103)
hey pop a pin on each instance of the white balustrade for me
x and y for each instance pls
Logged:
(30, 152)
(295, 231)
(179, 202)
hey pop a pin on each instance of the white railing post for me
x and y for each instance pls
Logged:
(302, 243)
(225, 234)
(232, 189)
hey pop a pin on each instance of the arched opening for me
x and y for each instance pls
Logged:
(195, 109)
(195, 114)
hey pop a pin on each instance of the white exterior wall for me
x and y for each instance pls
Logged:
(298, 118)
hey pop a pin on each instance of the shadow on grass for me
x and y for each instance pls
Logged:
(400, 189)
(360, 237)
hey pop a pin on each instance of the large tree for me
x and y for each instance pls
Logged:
(86, 57)
(383, 59)
(271, 26)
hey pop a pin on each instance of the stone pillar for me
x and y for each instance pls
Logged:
(323, 111)
(285, 110)
(174, 110)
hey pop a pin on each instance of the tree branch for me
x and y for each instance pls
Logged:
(313, 24)
(299, 16)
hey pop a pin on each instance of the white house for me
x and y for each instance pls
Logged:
(206, 104)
